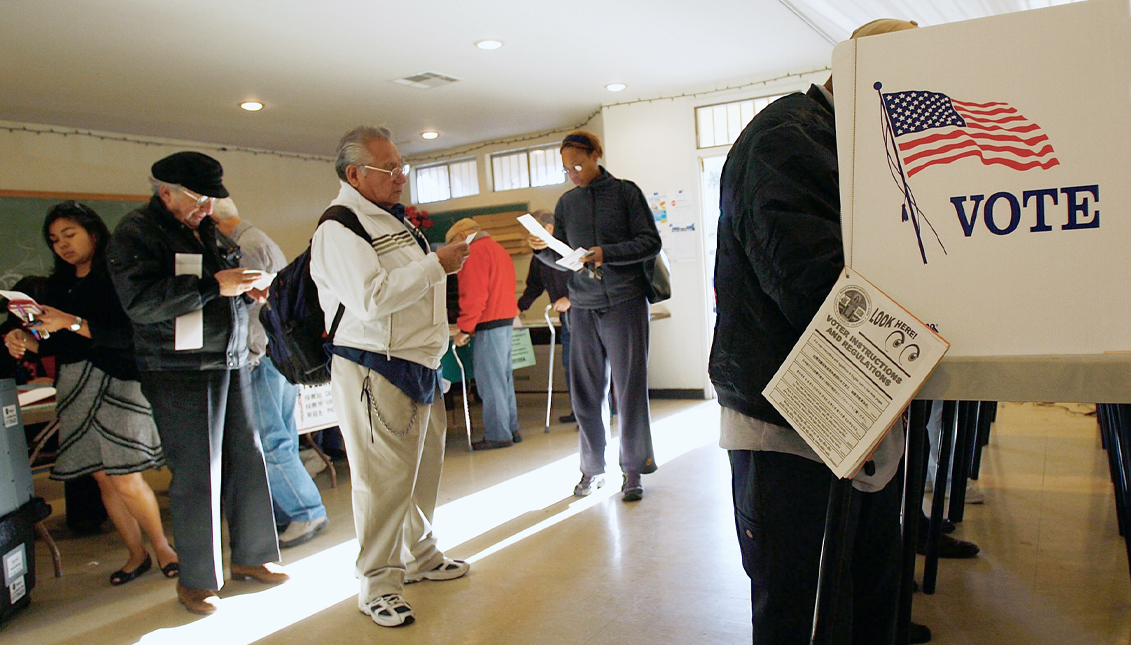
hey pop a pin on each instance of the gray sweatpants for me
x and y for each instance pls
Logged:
(611, 342)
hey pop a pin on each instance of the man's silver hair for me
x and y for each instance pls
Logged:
(225, 208)
(352, 151)
(156, 184)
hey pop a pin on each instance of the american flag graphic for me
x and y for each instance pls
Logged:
(931, 129)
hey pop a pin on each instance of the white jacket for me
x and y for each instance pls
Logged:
(394, 293)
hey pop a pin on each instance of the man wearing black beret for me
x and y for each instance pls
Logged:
(180, 281)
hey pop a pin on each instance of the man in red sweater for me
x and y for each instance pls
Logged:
(487, 307)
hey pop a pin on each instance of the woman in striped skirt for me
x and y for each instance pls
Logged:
(105, 425)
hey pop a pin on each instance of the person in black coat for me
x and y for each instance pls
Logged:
(609, 314)
(780, 252)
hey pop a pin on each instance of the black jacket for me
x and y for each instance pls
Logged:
(612, 214)
(539, 278)
(110, 346)
(780, 249)
(141, 256)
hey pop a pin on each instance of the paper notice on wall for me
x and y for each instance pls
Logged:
(189, 328)
(675, 220)
(857, 366)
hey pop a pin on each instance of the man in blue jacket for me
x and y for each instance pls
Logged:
(181, 284)
(779, 253)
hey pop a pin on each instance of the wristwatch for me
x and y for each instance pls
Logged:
(77, 325)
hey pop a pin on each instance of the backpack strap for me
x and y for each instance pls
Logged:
(348, 219)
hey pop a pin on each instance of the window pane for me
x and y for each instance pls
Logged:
(546, 167)
(464, 178)
(706, 127)
(432, 184)
(719, 114)
(720, 125)
(510, 171)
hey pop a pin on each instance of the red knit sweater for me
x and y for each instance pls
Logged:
(486, 286)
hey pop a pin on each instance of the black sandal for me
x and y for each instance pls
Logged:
(171, 570)
(121, 577)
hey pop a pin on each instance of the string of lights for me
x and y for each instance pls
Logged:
(122, 138)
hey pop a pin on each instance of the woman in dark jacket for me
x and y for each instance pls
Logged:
(608, 312)
(105, 425)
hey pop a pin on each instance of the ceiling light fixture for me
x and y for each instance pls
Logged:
(489, 44)
(615, 87)
(430, 134)
(252, 106)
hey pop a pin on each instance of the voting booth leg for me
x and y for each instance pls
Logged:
(938, 499)
(987, 410)
(466, 410)
(550, 363)
(915, 464)
(966, 435)
(832, 560)
(1105, 416)
(1118, 420)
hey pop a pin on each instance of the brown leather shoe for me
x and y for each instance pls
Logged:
(198, 601)
(269, 573)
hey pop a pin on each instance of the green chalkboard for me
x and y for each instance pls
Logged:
(21, 227)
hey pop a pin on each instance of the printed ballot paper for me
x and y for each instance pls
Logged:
(856, 367)
(571, 258)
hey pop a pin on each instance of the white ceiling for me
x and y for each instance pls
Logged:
(179, 68)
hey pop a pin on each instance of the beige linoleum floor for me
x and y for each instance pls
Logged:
(549, 568)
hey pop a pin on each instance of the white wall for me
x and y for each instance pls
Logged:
(653, 143)
(283, 196)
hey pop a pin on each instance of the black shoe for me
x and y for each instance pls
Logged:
(948, 526)
(920, 633)
(632, 489)
(950, 548)
(487, 444)
(121, 577)
(569, 418)
(516, 437)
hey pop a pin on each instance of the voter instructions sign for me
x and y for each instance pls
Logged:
(856, 367)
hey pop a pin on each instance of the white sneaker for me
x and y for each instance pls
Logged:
(974, 495)
(311, 461)
(389, 610)
(447, 570)
(300, 532)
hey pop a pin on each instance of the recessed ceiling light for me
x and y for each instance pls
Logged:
(430, 134)
(252, 106)
(615, 87)
(489, 44)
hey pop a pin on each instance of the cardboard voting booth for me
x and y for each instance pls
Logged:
(985, 187)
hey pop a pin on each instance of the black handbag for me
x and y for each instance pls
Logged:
(657, 270)
(657, 278)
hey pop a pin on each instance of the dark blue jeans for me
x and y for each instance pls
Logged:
(780, 501)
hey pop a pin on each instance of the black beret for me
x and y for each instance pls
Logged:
(194, 170)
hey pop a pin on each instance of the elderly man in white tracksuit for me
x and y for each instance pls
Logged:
(386, 352)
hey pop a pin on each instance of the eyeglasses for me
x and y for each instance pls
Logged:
(395, 173)
(571, 170)
(201, 200)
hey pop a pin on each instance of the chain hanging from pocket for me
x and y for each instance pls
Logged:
(371, 403)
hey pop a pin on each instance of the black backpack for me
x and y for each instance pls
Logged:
(293, 318)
